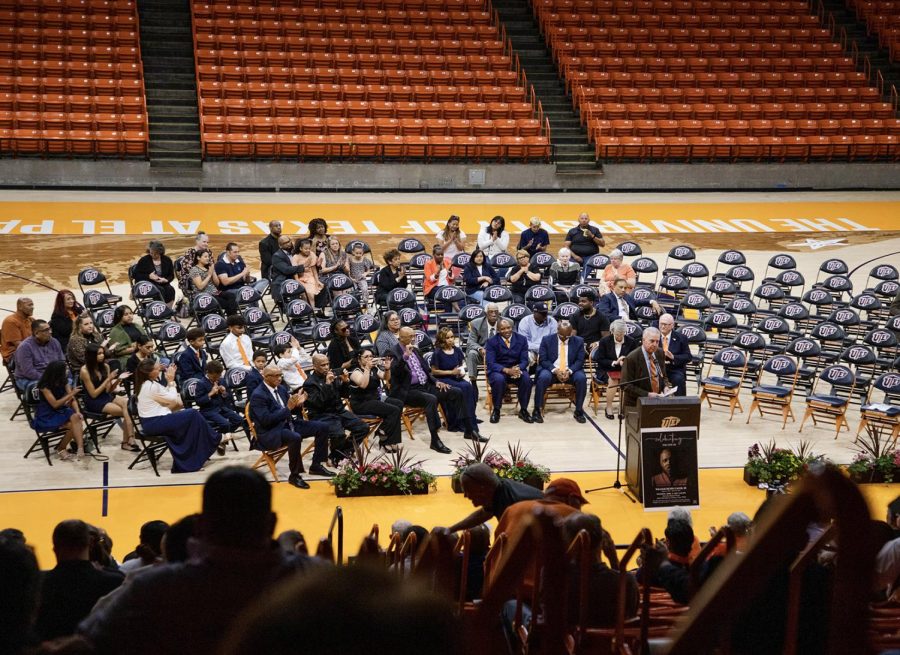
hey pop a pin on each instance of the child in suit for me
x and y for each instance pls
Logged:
(215, 402)
(192, 360)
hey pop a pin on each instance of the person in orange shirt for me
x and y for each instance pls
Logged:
(439, 273)
(16, 328)
(616, 269)
(561, 498)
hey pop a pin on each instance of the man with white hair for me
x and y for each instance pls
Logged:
(677, 352)
(480, 330)
(645, 368)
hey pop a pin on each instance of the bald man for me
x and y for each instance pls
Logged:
(282, 268)
(326, 404)
(16, 328)
(677, 352)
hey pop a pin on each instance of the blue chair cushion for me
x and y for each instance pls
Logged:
(728, 383)
(772, 389)
(891, 411)
(834, 401)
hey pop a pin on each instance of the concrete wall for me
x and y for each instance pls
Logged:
(436, 177)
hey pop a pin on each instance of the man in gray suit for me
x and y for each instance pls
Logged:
(480, 330)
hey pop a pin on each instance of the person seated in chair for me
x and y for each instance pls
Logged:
(480, 330)
(506, 359)
(191, 361)
(589, 324)
(216, 403)
(534, 328)
(561, 360)
(325, 404)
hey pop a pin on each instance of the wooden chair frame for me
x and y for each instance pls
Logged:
(770, 403)
(827, 412)
(269, 458)
(723, 396)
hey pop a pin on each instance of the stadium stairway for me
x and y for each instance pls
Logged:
(167, 50)
(845, 17)
(574, 155)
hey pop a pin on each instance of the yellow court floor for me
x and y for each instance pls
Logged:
(37, 512)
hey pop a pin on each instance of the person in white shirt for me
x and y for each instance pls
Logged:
(292, 359)
(494, 238)
(534, 328)
(236, 349)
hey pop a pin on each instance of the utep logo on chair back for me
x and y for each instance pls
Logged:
(879, 336)
(741, 305)
(157, 309)
(769, 291)
(502, 260)
(682, 252)
(696, 300)
(401, 295)
(205, 300)
(94, 298)
(254, 315)
(633, 330)
(340, 282)
(281, 338)
(642, 295)
(695, 269)
(144, 290)
(889, 382)
(461, 259)
(419, 261)
(859, 355)
(471, 312)
(539, 293)
(750, 340)
(825, 330)
(597, 261)
(818, 296)
(212, 323)
(884, 272)
(644, 265)
(497, 293)
(248, 294)
(722, 286)
(845, 317)
(803, 345)
(674, 281)
(366, 323)
(732, 257)
(189, 387)
(298, 309)
(720, 319)
(838, 283)
(793, 310)
(781, 365)
(322, 331)
(838, 374)
(345, 301)
(105, 319)
(690, 332)
(866, 301)
(774, 325)
(730, 357)
(90, 275)
(450, 294)
(410, 246)
(234, 377)
(790, 278)
(887, 288)
(834, 266)
(172, 331)
(515, 312)
(409, 316)
(740, 273)
(894, 323)
(567, 310)
(629, 248)
(783, 261)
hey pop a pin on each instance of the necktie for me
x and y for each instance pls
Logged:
(491, 331)
(654, 376)
(300, 371)
(562, 356)
(666, 343)
(506, 341)
(199, 359)
(243, 352)
(277, 397)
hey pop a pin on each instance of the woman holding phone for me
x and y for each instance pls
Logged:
(100, 384)
(58, 409)
(366, 376)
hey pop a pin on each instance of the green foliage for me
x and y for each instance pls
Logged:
(518, 466)
(392, 471)
(770, 464)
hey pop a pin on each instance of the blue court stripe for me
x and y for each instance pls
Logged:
(105, 501)
(605, 436)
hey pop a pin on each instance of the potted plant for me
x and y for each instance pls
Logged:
(474, 453)
(391, 474)
(515, 467)
(875, 461)
(769, 464)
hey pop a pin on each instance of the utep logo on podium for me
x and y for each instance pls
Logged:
(669, 422)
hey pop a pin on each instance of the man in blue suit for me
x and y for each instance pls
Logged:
(677, 351)
(561, 359)
(617, 303)
(271, 411)
(506, 359)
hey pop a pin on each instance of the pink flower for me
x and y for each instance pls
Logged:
(364, 478)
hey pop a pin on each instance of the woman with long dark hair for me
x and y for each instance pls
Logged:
(57, 408)
(65, 310)
(366, 376)
(202, 274)
(342, 346)
(124, 334)
(84, 334)
(479, 275)
(451, 239)
(494, 238)
(162, 413)
(100, 384)
(318, 235)
(448, 366)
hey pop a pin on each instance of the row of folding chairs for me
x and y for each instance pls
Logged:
(75, 104)
(381, 126)
(763, 127)
(368, 92)
(125, 52)
(727, 7)
(34, 120)
(377, 109)
(650, 63)
(732, 111)
(500, 74)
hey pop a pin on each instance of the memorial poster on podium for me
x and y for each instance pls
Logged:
(669, 467)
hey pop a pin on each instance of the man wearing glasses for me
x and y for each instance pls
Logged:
(34, 353)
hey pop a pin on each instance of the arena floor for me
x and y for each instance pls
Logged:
(48, 237)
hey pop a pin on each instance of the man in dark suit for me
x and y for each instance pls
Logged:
(677, 351)
(561, 359)
(271, 411)
(413, 385)
(268, 246)
(282, 267)
(192, 360)
(646, 367)
(506, 358)
(617, 303)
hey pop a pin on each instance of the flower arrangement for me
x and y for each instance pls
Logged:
(516, 467)
(770, 465)
(875, 461)
(389, 474)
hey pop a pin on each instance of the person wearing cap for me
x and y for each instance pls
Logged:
(562, 497)
(490, 494)
(535, 327)
(561, 361)
(535, 239)
(589, 324)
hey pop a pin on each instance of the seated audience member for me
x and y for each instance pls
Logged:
(254, 373)
(391, 276)
(216, 404)
(494, 238)
(174, 543)
(318, 235)
(271, 409)
(100, 383)
(35, 353)
(522, 276)
(16, 327)
(232, 275)
(448, 365)
(506, 360)
(677, 352)
(65, 310)
(292, 541)
(534, 328)
(342, 346)
(438, 273)
(202, 277)
(149, 549)
(191, 440)
(366, 376)
(535, 239)
(157, 267)
(609, 355)
(146, 349)
(326, 405)
(188, 260)
(290, 358)
(584, 240)
(71, 589)
(480, 330)
(668, 565)
(618, 303)
(451, 239)
(479, 545)
(388, 615)
(283, 267)
(83, 334)
(490, 494)
(561, 360)
(21, 595)
(562, 497)
(589, 324)
(307, 259)
(268, 246)
(124, 334)
(358, 268)
(564, 272)
(198, 600)
(616, 269)
(479, 275)
(413, 385)
(332, 259)
(191, 361)
(57, 408)
(387, 338)
(236, 347)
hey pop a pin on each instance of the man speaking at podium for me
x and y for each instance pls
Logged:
(646, 368)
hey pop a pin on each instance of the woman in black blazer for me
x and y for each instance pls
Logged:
(157, 268)
(608, 357)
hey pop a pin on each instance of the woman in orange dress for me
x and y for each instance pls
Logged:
(304, 256)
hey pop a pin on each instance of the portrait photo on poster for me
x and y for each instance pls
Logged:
(669, 466)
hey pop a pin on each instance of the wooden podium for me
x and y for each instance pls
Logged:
(657, 412)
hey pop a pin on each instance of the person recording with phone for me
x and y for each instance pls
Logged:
(100, 383)
(367, 396)
(392, 276)
(584, 240)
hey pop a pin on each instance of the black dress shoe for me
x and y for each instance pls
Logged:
(579, 416)
(495, 416)
(525, 416)
(318, 469)
(475, 436)
(438, 446)
(298, 482)
(220, 449)
(609, 416)
(536, 417)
